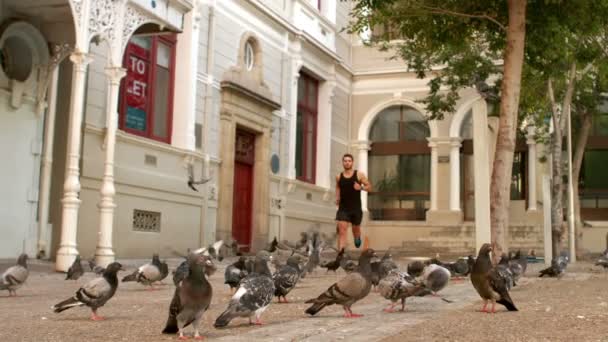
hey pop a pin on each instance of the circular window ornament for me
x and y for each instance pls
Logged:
(249, 56)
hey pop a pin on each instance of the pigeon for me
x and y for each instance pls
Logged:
(92, 263)
(602, 261)
(315, 247)
(14, 277)
(146, 274)
(349, 265)
(75, 271)
(164, 271)
(434, 278)
(286, 277)
(253, 296)
(181, 272)
(386, 265)
(521, 259)
(272, 247)
(488, 282)
(347, 291)
(558, 266)
(398, 286)
(334, 264)
(415, 268)
(95, 293)
(458, 268)
(192, 297)
(505, 271)
(98, 270)
(235, 273)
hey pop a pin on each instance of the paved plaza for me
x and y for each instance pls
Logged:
(136, 314)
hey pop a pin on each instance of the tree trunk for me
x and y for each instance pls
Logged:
(505, 142)
(577, 162)
(557, 186)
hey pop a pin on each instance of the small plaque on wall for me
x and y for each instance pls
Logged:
(443, 159)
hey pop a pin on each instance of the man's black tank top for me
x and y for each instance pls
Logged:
(350, 199)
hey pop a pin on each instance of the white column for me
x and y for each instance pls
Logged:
(71, 188)
(184, 117)
(47, 165)
(104, 253)
(293, 109)
(455, 174)
(434, 161)
(323, 158)
(362, 162)
(482, 174)
(531, 168)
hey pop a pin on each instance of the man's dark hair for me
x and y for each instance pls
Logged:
(348, 155)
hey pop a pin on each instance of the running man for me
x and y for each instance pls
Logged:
(349, 184)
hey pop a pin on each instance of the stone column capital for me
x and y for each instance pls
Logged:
(115, 74)
(81, 59)
(531, 135)
(361, 145)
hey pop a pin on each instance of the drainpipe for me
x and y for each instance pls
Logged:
(207, 113)
(47, 166)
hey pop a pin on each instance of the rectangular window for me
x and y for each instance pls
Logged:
(146, 101)
(306, 128)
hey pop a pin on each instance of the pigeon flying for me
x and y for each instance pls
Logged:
(95, 293)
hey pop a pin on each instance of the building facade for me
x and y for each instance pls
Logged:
(261, 97)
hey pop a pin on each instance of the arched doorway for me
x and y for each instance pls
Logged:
(399, 165)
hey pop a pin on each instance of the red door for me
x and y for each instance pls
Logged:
(243, 185)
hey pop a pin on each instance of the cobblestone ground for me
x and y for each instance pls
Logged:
(135, 314)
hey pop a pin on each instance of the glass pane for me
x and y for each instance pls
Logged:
(310, 147)
(301, 89)
(386, 125)
(517, 177)
(402, 185)
(416, 127)
(163, 55)
(601, 125)
(593, 172)
(143, 42)
(312, 94)
(466, 130)
(299, 143)
(161, 103)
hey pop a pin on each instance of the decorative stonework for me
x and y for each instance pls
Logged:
(212, 195)
(146, 221)
(102, 18)
(276, 203)
(58, 53)
(134, 18)
(77, 9)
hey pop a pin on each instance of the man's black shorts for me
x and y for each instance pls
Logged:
(352, 216)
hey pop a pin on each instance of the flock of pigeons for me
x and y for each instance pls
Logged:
(254, 285)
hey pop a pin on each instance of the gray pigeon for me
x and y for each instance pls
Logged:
(253, 296)
(146, 274)
(398, 286)
(558, 266)
(602, 261)
(192, 297)
(286, 277)
(505, 271)
(350, 289)
(235, 272)
(415, 268)
(95, 293)
(434, 278)
(14, 277)
(75, 271)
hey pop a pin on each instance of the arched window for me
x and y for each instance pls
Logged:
(399, 165)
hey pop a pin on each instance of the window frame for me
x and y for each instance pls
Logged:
(308, 113)
(171, 42)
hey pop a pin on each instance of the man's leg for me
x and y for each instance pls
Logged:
(342, 227)
(357, 235)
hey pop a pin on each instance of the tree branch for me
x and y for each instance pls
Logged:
(554, 106)
(435, 10)
(567, 103)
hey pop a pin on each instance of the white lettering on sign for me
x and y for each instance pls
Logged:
(137, 65)
(137, 88)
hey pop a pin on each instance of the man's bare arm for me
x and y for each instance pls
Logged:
(338, 190)
(366, 184)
